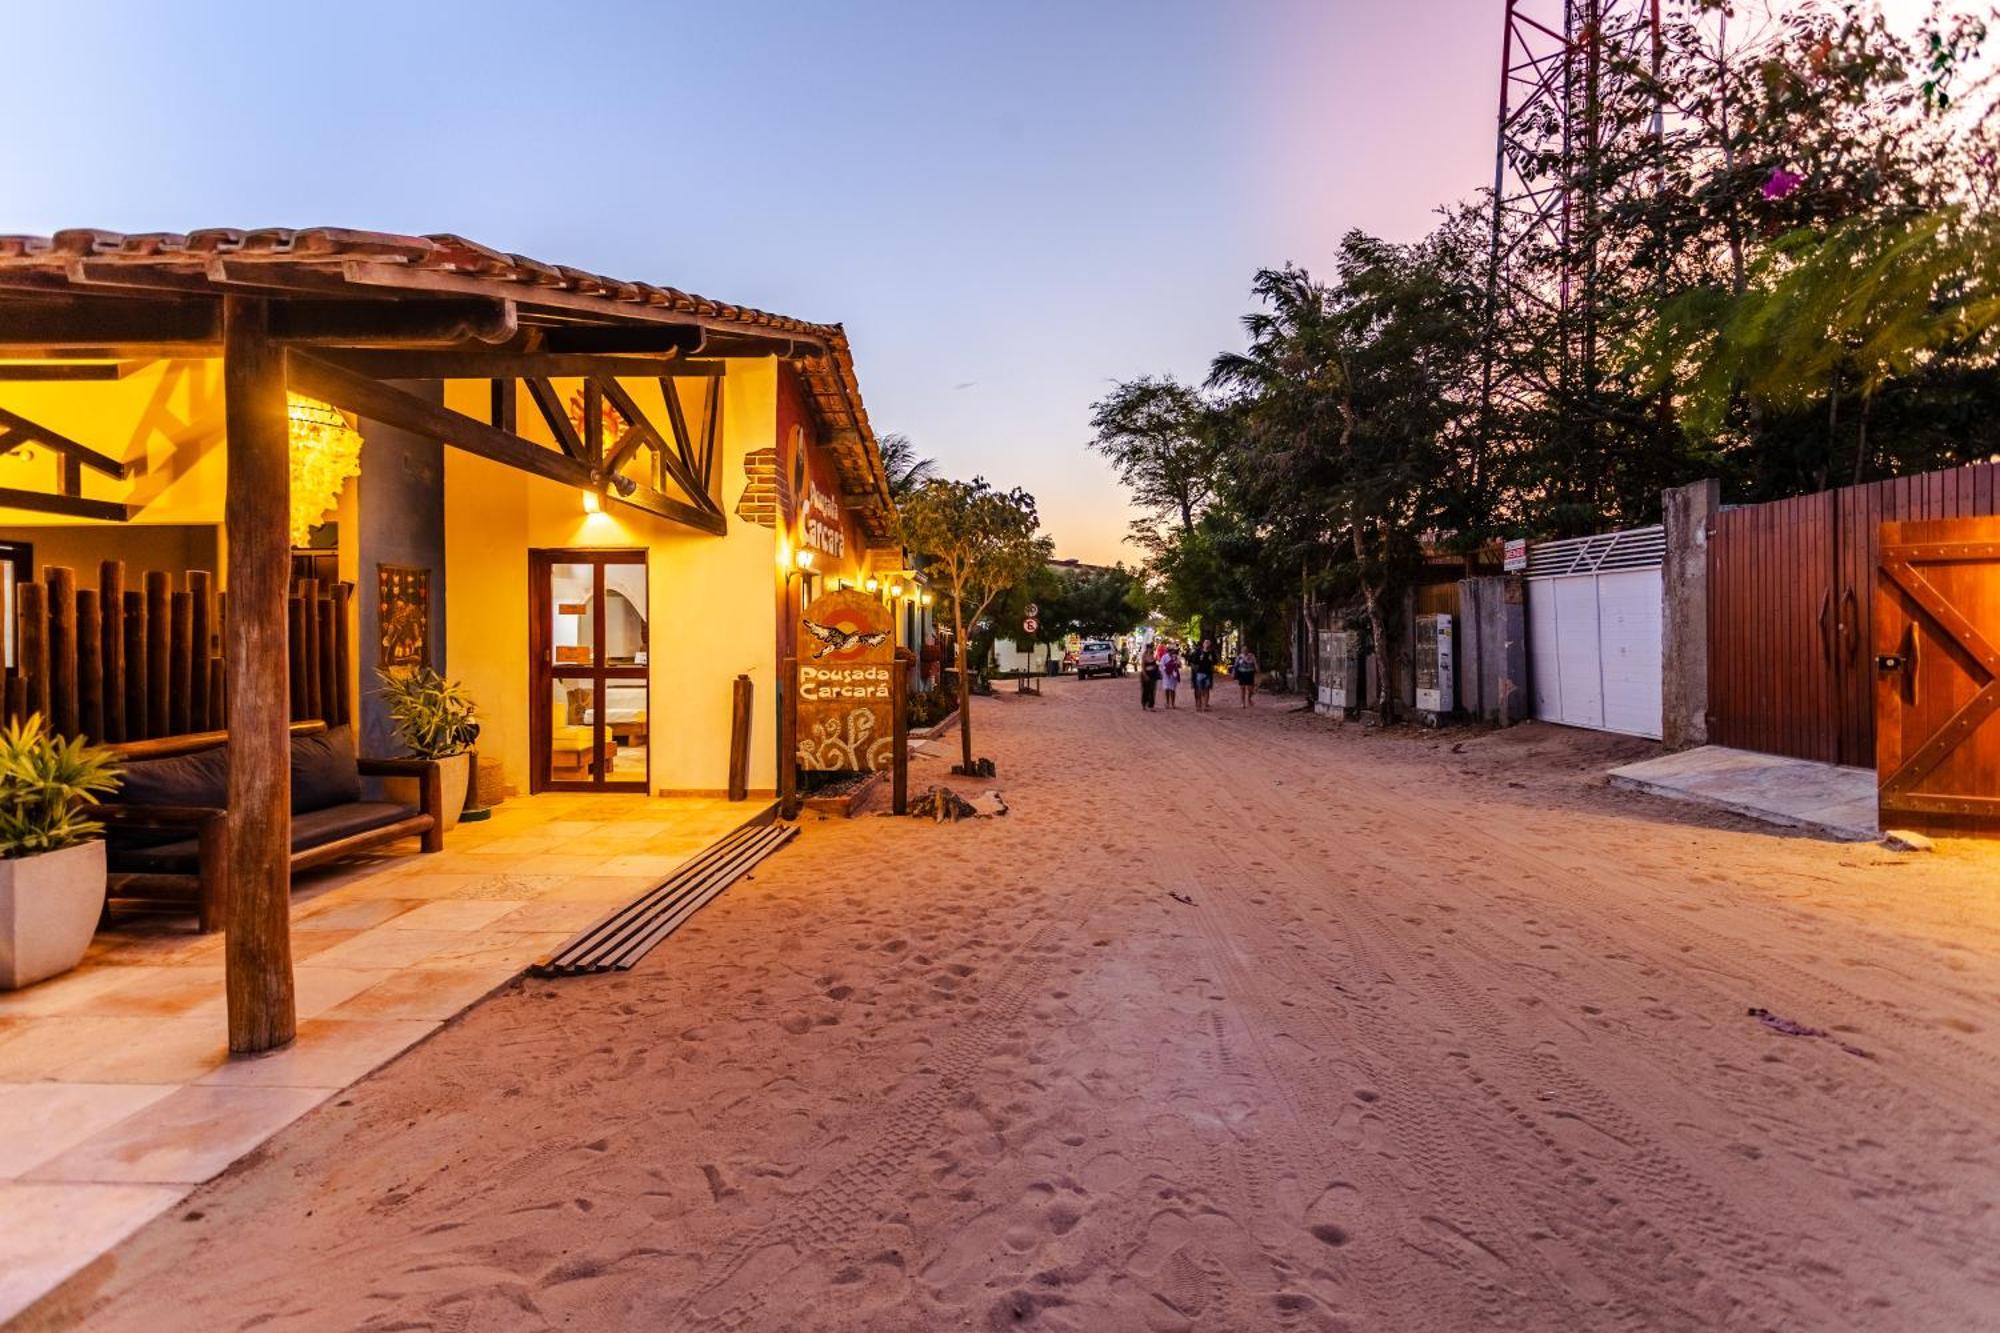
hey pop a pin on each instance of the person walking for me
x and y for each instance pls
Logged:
(1201, 666)
(1170, 673)
(1149, 677)
(1244, 668)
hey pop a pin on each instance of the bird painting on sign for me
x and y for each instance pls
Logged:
(847, 665)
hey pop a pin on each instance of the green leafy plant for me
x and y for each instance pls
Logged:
(433, 716)
(45, 783)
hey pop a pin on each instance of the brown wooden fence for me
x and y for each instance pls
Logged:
(1791, 610)
(118, 663)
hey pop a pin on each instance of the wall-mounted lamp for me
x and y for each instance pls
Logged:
(591, 504)
(872, 584)
(896, 589)
(926, 599)
(800, 564)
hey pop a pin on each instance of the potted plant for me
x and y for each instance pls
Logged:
(51, 861)
(435, 719)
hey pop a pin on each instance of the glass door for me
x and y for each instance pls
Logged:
(589, 660)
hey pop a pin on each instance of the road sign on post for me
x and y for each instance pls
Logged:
(1030, 625)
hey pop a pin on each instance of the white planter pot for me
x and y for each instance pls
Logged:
(455, 771)
(49, 908)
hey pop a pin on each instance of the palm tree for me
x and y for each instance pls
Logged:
(905, 470)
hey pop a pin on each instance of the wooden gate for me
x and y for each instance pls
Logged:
(1937, 675)
(1792, 606)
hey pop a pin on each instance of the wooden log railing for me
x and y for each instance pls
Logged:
(115, 664)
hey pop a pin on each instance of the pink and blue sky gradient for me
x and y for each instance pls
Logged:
(1010, 206)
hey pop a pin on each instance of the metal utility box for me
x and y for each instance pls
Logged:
(1435, 672)
(1339, 692)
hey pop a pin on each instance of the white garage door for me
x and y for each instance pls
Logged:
(1594, 626)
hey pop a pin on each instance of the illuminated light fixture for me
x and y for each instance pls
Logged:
(591, 504)
(872, 583)
(927, 599)
(325, 452)
(803, 558)
(896, 589)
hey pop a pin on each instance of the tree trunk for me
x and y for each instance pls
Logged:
(964, 685)
(1861, 440)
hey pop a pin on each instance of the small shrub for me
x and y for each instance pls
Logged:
(45, 781)
(434, 717)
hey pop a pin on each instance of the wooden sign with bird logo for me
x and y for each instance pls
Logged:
(847, 666)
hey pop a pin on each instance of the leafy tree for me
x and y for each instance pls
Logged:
(905, 468)
(1164, 439)
(979, 542)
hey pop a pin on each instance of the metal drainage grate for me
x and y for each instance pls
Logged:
(629, 934)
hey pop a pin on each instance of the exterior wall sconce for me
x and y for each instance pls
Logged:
(895, 590)
(927, 599)
(872, 584)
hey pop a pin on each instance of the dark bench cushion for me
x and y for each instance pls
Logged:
(198, 779)
(324, 775)
(323, 771)
(312, 829)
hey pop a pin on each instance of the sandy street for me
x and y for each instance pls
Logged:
(1431, 1039)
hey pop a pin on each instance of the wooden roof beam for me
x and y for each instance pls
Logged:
(482, 364)
(397, 407)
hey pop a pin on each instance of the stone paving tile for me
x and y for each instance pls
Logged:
(54, 1229)
(427, 992)
(318, 989)
(454, 914)
(186, 1137)
(384, 947)
(329, 1053)
(348, 913)
(86, 1048)
(554, 916)
(40, 1120)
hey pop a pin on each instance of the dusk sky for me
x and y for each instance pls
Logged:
(1009, 206)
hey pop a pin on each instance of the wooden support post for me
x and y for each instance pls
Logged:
(741, 696)
(343, 593)
(111, 605)
(295, 638)
(180, 663)
(62, 649)
(89, 666)
(34, 646)
(159, 668)
(201, 634)
(788, 739)
(257, 896)
(899, 713)
(138, 725)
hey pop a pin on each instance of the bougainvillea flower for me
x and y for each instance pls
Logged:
(1782, 183)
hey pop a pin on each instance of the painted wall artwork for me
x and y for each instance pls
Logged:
(404, 609)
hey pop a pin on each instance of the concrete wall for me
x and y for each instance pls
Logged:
(1684, 607)
(400, 519)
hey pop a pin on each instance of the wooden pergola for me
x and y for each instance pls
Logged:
(338, 315)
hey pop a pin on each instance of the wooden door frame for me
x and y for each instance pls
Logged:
(542, 674)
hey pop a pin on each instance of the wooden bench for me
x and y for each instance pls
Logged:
(147, 863)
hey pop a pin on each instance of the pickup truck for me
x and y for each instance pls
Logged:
(1098, 657)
